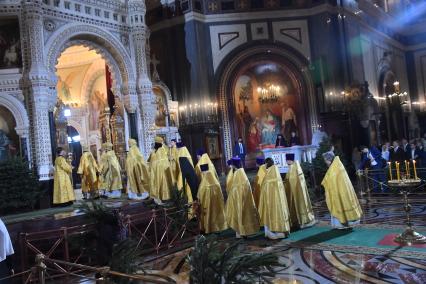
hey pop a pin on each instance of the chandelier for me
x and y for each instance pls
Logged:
(269, 94)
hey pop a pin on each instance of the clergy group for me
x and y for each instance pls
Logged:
(278, 205)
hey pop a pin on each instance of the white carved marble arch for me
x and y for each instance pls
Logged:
(102, 41)
(230, 65)
(18, 111)
(116, 74)
(89, 81)
(80, 129)
(164, 88)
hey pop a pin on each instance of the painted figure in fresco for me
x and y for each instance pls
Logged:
(11, 55)
(97, 104)
(4, 145)
(269, 128)
(254, 136)
(247, 120)
(288, 121)
(160, 116)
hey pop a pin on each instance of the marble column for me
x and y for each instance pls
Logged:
(38, 88)
(144, 91)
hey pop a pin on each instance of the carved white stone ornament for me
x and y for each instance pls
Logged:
(114, 29)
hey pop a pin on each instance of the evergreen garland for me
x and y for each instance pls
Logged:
(20, 189)
(214, 262)
(318, 167)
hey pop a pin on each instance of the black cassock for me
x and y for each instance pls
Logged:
(189, 176)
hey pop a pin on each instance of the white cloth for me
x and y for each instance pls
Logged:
(6, 247)
(337, 225)
(385, 155)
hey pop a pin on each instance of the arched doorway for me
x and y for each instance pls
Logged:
(75, 152)
(9, 139)
(264, 91)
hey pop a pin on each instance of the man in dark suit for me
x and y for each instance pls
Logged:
(280, 142)
(294, 139)
(407, 149)
(397, 153)
(240, 151)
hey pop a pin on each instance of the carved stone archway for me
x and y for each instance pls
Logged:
(17, 109)
(105, 43)
(230, 67)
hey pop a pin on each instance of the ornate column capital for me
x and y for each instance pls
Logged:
(22, 132)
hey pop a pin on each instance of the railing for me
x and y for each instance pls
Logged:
(44, 267)
(156, 231)
(376, 181)
(165, 228)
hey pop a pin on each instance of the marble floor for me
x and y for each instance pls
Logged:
(334, 263)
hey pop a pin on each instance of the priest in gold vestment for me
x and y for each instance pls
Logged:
(340, 195)
(299, 202)
(88, 170)
(257, 183)
(63, 193)
(273, 208)
(182, 152)
(229, 176)
(103, 163)
(137, 173)
(241, 213)
(161, 176)
(111, 173)
(173, 158)
(212, 206)
(203, 158)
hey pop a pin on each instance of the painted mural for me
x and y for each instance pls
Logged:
(9, 140)
(97, 103)
(10, 44)
(161, 102)
(265, 101)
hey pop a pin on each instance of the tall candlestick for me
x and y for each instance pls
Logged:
(409, 170)
(397, 171)
(406, 169)
(414, 168)
(390, 170)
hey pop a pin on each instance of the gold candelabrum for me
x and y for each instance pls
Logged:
(198, 113)
(404, 183)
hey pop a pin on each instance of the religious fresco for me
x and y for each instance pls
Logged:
(161, 112)
(9, 140)
(97, 103)
(265, 101)
(10, 44)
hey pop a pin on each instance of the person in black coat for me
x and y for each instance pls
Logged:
(407, 149)
(240, 151)
(294, 139)
(280, 141)
(189, 175)
(397, 153)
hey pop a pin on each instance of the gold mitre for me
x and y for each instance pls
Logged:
(132, 142)
(85, 148)
(158, 139)
(108, 145)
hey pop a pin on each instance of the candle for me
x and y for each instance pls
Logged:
(390, 170)
(408, 171)
(414, 168)
(397, 171)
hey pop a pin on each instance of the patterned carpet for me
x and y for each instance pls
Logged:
(321, 255)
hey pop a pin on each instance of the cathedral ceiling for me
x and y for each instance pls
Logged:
(76, 70)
